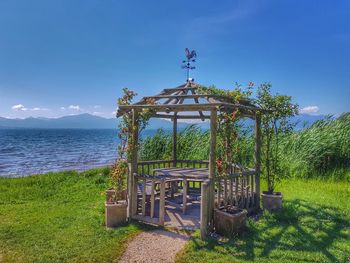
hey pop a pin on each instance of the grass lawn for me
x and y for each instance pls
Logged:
(314, 226)
(58, 217)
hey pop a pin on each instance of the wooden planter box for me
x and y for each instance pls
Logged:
(229, 224)
(271, 201)
(116, 213)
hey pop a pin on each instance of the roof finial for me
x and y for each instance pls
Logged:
(190, 57)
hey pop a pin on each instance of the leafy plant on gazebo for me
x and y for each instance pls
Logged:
(228, 125)
(116, 203)
(228, 219)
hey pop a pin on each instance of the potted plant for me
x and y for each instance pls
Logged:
(116, 203)
(274, 124)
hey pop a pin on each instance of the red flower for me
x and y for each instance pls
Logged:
(219, 166)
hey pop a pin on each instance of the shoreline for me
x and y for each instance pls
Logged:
(57, 171)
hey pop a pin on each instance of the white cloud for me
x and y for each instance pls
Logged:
(39, 109)
(97, 107)
(74, 107)
(310, 109)
(63, 108)
(19, 107)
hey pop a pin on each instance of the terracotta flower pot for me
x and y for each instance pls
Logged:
(271, 201)
(229, 223)
(116, 213)
(110, 192)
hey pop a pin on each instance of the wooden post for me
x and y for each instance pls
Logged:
(174, 155)
(184, 195)
(144, 197)
(133, 161)
(162, 202)
(130, 187)
(257, 158)
(152, 198)
(212, 164)
(204, 209)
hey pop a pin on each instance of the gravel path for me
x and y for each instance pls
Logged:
(154, 246)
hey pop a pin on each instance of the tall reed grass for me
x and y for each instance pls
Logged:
(321, 150)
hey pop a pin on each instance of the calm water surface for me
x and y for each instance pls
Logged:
(32, 151)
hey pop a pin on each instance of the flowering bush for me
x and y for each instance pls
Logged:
(228, 124)
(120, 169)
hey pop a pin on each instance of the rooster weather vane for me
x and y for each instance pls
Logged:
(190, 58)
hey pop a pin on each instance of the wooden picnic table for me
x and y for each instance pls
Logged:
(198, 174)
(185, 175)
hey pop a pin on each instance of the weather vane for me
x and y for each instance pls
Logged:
(190, 57)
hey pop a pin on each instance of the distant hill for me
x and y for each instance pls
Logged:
(88, 121)
(81, 121)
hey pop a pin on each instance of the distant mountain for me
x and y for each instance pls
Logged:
(305, 120)
(88, 121)
(82, 121)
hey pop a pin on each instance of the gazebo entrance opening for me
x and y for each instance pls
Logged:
(184, 193)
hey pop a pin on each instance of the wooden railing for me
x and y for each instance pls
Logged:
(152, 188)
(238, 188)
(146, 167)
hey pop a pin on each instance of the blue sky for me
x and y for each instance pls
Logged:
(68, 57)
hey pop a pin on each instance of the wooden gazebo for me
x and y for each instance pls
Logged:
(240, 188)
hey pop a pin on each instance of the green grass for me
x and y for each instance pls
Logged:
(58, 217)
(314, 226)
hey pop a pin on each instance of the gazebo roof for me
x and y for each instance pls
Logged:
(185, 102)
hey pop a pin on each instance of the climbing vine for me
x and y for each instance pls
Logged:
(120, 169)
(228, 124)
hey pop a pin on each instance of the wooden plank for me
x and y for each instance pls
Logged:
(174, 153)
(143, 205)
(133, 161)
(257, 158)
(197, 101)
(152, 199)
(247, 192)
(204, 210)
(186, 107)
(218, 193)
(231, 192)
(184, 195)
(171, 98)
(236, 191)
(162, 203)
(225, 191)
(212, 163)
(252, 190)
(179, 206)
(147, 219)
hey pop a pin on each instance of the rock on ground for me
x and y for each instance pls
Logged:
(154, 246)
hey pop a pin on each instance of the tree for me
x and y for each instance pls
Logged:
(274, 123)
